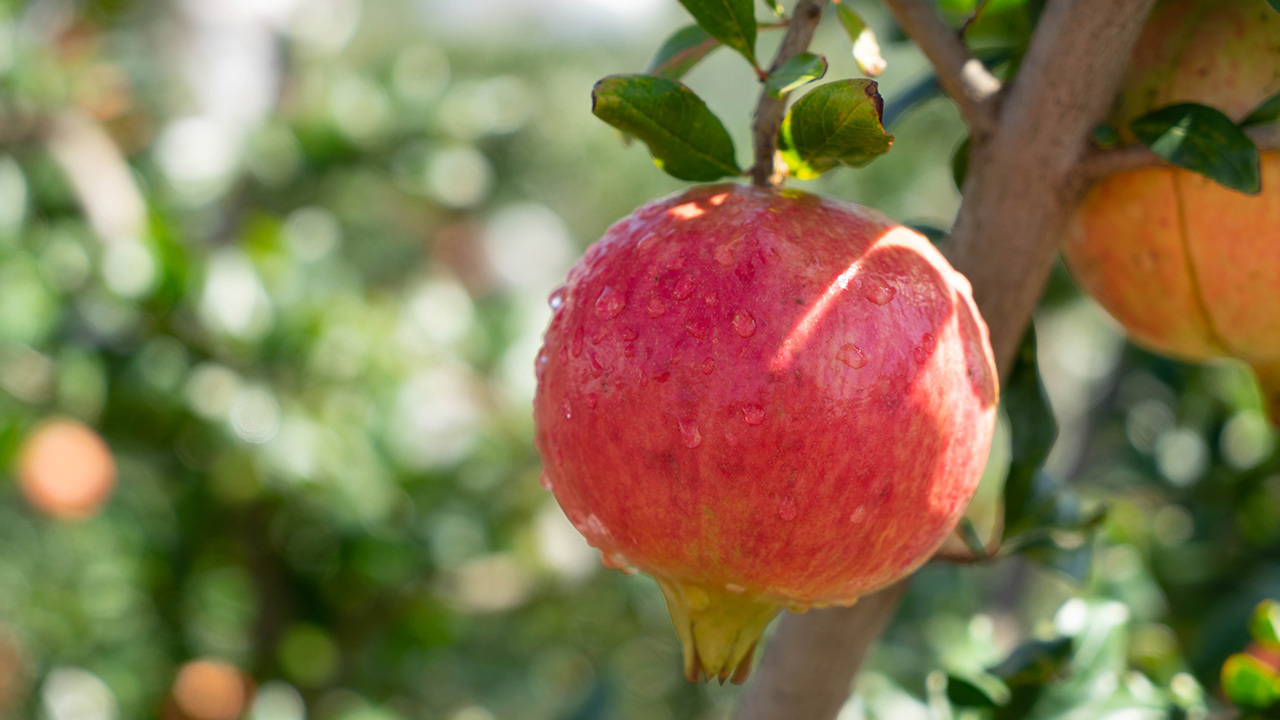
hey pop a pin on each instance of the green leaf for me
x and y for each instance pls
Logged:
(681, 51)
(960, 162)
(732, 22)
(1249, 683)
(1202, 140)
(851, 21)
(969, 534)
(834, 124)
(1266, 113)
(1264, 624)
(687, 140)
(1034, 663)
(866, 50)
(1032, 430)
(1275, 4)
(775, 7)
(982, 691)
(799, 70)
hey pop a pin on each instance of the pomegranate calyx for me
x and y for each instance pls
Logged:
(718, 628)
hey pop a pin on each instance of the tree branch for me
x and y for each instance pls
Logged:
(1020, 191)
(769, 111)
(963, 77)
(1099, 164)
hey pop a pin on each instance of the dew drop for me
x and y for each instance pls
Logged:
(723, 254)
(698, 327)
(858, 515)
(596, 368)
(545, 481)
(787, 508)
(563, 354)
(540, 365)
(734, 588)
(711, 300)
(708, 366)
(592, 400)
(745, 271)
(852, 356)
(878, 291)
(599, 334)
(567, 408)
(610, 303)
(648, 241)
(556, 299)
(629, 350)
(577, 341)
(753, 414)
(690, 434)
(744, 324)
(656, 308)
(683, 288)
(628, 334)
(922, 351)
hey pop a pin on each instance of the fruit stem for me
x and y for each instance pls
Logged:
(1269, 382)
(768, 117)
(718, 629)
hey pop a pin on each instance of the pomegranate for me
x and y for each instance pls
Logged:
(1188, 267)
(764, 399)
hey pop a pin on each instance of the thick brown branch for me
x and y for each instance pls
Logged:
(963, 77)
(1099, 164)
(1021, 188)
(769, 111)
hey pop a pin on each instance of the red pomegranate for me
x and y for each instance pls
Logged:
(764, 399)
(1188, 267)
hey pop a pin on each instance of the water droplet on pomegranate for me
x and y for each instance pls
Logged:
(878, 291)
(596, 368)
(648, 241)
(711, 300)
(925, 348)
(698, 327)
(629, 350)
(852, 356)
(708, 366)
(556, 299)
(567, 408)
(563, 354)
(545, 481)
(787, 508)
(540, 365)
(745, 271)
(599, 334)
(610, 303)
(660, 375)
(683, 288)
(753, 414)
(734, 588)
(723, 254)
(656, 308)
(858, 515)
(628, 334)
(690, 434)
(592, 400)
(577, 341)
(744, 324)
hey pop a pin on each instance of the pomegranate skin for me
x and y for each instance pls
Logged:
(1188, 267)
(763, 399)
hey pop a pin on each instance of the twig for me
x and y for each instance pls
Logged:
(768, 116)
(963, 77)
(1021, 188)
(1099, 164)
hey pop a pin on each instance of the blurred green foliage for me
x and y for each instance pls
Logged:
(290, 259)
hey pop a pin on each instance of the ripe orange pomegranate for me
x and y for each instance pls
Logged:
(66, 470)
(1189, 268)
(764, 399)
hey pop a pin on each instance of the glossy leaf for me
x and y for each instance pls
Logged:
(1266, 113)
(732, 22)
(681, 51)
(1250, 683)
(1202, 139)
(1032, 430)
(796, 72)
(834, 124)
(686, 139)
(1264, 624)
(977, 692)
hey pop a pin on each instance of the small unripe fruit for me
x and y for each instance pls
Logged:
(764, 399)
(1188, 267)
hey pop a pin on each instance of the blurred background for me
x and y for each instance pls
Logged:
(272, 277)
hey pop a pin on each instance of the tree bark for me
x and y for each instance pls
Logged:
(1022, 185)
